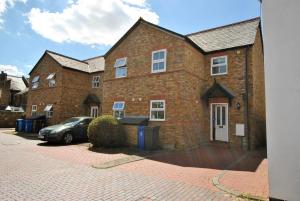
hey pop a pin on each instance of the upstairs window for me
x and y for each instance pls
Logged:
(121, 67)
(96, 81)
(51, 79)
(35, 82)
(118, 110)
(49, 111)
(219, 65)
(157, 110)
(159, 61)
(33, 110)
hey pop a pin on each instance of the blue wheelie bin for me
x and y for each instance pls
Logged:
(20, 125)
(141, 137)
(28, 126)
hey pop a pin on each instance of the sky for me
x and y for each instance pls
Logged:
(86, 28)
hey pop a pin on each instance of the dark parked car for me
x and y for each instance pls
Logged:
(72, 129)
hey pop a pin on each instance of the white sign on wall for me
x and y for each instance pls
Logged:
(240, 130)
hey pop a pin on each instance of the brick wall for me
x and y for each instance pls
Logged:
(67, 97)
(257, 109)
(8, 119)
(176, 86)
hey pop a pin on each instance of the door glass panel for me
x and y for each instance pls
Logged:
(218, 115)
(223, 115)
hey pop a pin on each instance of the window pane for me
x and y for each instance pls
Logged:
(120, 62)
(223, 116)
(218, 116)
(159, 55)
(52, 83)
(222, 69)
(155, 66)
(157, 105)
(35, 79)
(157, 114)
(161, 65)
(35, 85)
(215, 70)
(121, 72)
(219, 60)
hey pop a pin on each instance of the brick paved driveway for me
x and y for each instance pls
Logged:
(29, 175)
(29, 171)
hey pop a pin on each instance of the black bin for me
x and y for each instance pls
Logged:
(151, 137)
(39, 122)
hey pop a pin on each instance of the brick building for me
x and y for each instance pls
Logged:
(13, 91)
(202, 87)
(64, 87)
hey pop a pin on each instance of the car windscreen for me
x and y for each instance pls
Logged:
(71, 120)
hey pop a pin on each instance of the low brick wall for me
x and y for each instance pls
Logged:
(131, 133)
(8, 119)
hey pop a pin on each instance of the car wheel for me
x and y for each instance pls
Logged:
(68, 138)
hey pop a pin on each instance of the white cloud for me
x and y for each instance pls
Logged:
(4, 5)
(93, 22)
(11, 70)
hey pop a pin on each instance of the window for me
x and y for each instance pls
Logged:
(35, 82)
(219, 65)
(157, 110)
(49, 111)
(159, 61)
(96, 81)
(51, 79)
(0, 93)
(94, 111)
(121, 68)
(118, 110)
(33, 110)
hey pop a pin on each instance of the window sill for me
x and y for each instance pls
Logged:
(157, 120)
(218, 74)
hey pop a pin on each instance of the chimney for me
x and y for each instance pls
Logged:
(25, 81)
(3, 75)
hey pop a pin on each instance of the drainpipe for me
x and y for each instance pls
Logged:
(246, 99)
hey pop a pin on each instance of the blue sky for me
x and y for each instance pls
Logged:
(88, 28)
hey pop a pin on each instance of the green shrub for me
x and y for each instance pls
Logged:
(106, 131)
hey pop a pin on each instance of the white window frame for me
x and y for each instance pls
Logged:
(158, 61)
(93, 113)
(52, 80)
(120, 67)
(157, 109)
(119, 110)
(33, 109)
(96, 81)
(218, 65)
(49, 113)
(37, 82)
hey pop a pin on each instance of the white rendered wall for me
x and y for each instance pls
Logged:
(281, 29)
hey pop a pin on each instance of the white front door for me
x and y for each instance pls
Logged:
(220, 122)
(94, 111)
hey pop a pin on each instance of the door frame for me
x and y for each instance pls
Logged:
(211, 120)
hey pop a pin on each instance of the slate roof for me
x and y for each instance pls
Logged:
(225, 37)
(96, 64)
(16, 83)
(89, 66)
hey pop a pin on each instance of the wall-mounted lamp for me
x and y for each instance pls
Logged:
(238, 106)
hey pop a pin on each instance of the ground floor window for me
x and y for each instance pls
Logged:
(118, 110)
(94, 111)
(157, 110)
(49, 111)
(33, 110)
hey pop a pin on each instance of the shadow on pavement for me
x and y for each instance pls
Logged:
(212, 156)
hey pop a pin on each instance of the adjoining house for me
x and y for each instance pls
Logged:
(63, 87)
(13, 92)
(202, 87)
